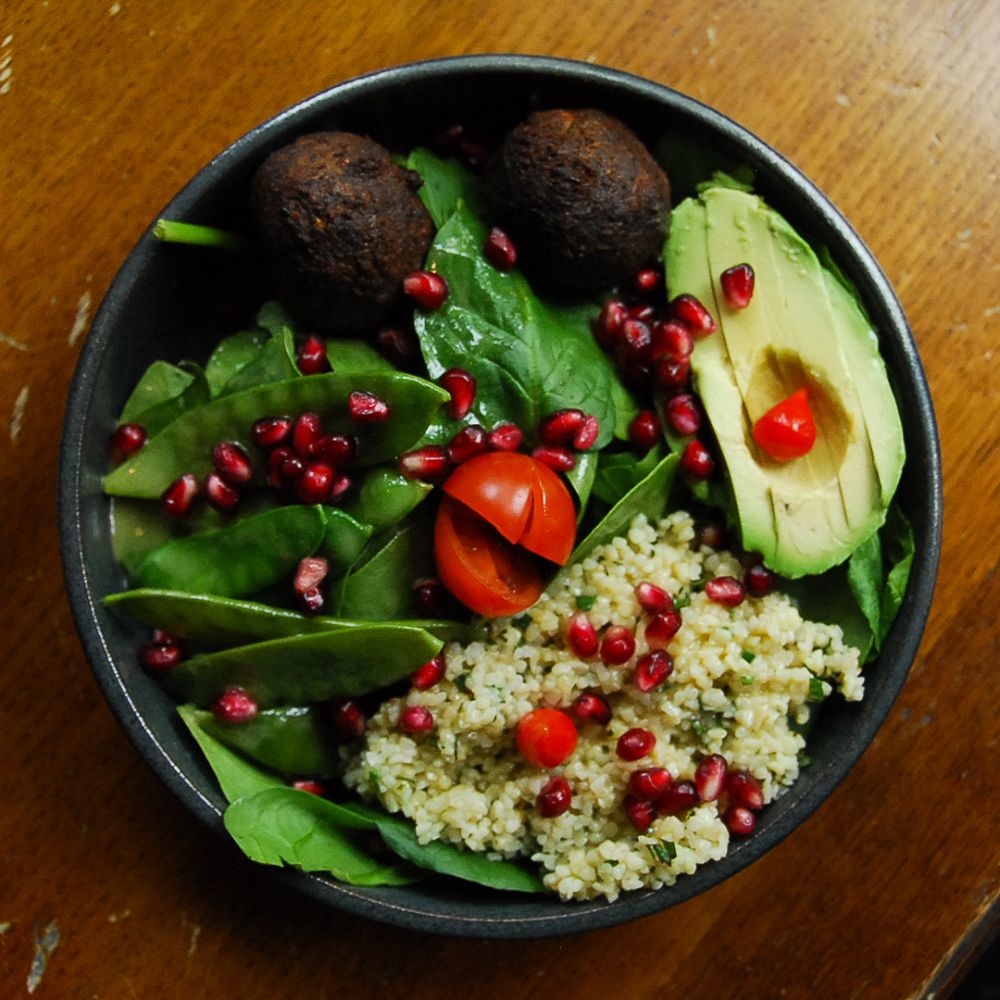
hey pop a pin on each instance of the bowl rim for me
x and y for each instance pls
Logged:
(569, 917)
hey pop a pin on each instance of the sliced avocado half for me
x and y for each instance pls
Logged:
(801, 328)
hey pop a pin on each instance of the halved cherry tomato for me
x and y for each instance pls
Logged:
(787, 430)
(546, 737)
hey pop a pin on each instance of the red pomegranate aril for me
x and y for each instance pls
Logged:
(416, 719)
(311, 601)
(740, 821)
(634, 744)
(673, 373)
(587, 434)
(678, 798)
(160, 657)
(334, 449)
(367, 408)
(644, 430)
(651, 598)
(592, 707)
(560, 459)
(232, 463)
(275, 462)
(555, 798)
(499, 250)
(759, 580)
(737, 286)
(653, 669)
(726, 590)
(428, 595)
(462, 387)
(608, 328)
(399, 346)
(560, 427)
(649, 783)
(467, 443)
(291, 467)
(312, 357)
(696, 461)
(647, 280)
(347, 721)
(711, 534)
(505, 437)
(662, 627)
(640, 812)
(427, 289)
(307, 785)
(339, 486)
(313, 486)
(643, 312)
(744, 789)
(311, 572)
(234, 706)
(178, 498)
(682, 414)
(637, 339)
(671, 339)
(307, 430)
(269, 432)
(429, 674)
(126, 441)
(617, 645)
(710, 777)
(581, 636)
(693, 314)
(220, 494)
(430, 464)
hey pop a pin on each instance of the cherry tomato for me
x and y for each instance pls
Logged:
(546, 737)
(787, 430)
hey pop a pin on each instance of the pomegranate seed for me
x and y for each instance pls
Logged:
(427, 289)
(126, 441)
(617, 646)
(640, 812)
(647, 279)
(712, 534)
(592, 707)
(429, 465)
(399, 346)
(234, 705)
(635, 743)
(649, 783)
(334, 449)
(560, 427)
(462, 387)
(759, 580)
(726, 590)
(311, 601)
(671, 339)
(505, 437)
(652, 599)
(429, 674)
(644, 431)
(673, 373)
(275, 463)
(220, 494)
(347, 721)
(311, 572)
(662, 627)
(677, 798)
(367, 408)
(653, 669)
(232, 463)
(636, 340)
(581, 636)
(161, 656)
(467, 443)
(179, 496)
(586, 436)
(312, 356)
(737, 286)
(313, 486)
(693, 314)
(682, 414)
(340, 485)
(560, 459)
(269, 432)
(499, 250)
(710, 777)
(416, 719)
(307, 785)
(744, 789)
(288, 466)
(696, 460)
(305, 433)
(643, 312)
(608, 328)
(740, 822)
(428, 595)
(555, 798)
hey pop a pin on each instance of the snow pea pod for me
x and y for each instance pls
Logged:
(273, 362)
(345, 537)
(232, 353)
(185, 445)
(308, 668)
(164, 392)
(240, 559)
(386, 496)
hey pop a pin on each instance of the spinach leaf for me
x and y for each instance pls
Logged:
(897, 540)
(232, 354)
(344, 537)
(618, 472)
(274, 362)
(355, 356)
(864, 576)
(581, 478)
(274, 317)
(446, 184)
(162, 395)
(828, 598)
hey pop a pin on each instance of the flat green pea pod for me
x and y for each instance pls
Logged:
(163, 393)
(345, 537)
(387, 496)
(240, 559)
(185, 445)
(273, 362)
(304, 669)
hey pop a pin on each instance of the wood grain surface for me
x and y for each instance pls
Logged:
(107, 108)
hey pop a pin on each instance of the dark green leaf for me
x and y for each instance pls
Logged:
(354, 356)
(274, 317)
(864, 576)
(620, 471)
(344, 538)
(898, 542)
(273, 362)
(446, 184)
(386, 496)
(581, 478)
(231, 355)
(161, 383)
(828, 598)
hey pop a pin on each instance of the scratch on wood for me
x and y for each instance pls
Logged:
(17, 417)
(6, 926)
(82, 315)
(115, 917)
(195, 934)
(11, 342)
(45, 944)
(6, 67)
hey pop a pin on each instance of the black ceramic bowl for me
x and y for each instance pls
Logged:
(165, 301)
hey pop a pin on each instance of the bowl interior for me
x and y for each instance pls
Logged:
(176, 302)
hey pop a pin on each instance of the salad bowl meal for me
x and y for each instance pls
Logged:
(502, 495)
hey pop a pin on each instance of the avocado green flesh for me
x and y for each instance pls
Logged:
(801, 328)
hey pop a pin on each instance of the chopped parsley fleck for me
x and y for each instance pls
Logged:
(699, 584)
(699, 729)
(521, 621)
(373, 779)
(665, 851)
(462, 683)
(804, 760)
(816, 689)
(748, 656)
(746, 679)
(585, 602)
(682, 600)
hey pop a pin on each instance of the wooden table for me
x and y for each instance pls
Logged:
(107, 108)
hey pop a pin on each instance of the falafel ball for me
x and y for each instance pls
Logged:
(341, 224)
(586, 203)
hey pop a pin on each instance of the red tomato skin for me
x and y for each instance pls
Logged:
(551, 528)
(787, 430)
(546, 737)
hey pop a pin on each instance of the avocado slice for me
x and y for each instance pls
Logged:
(801, 328)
